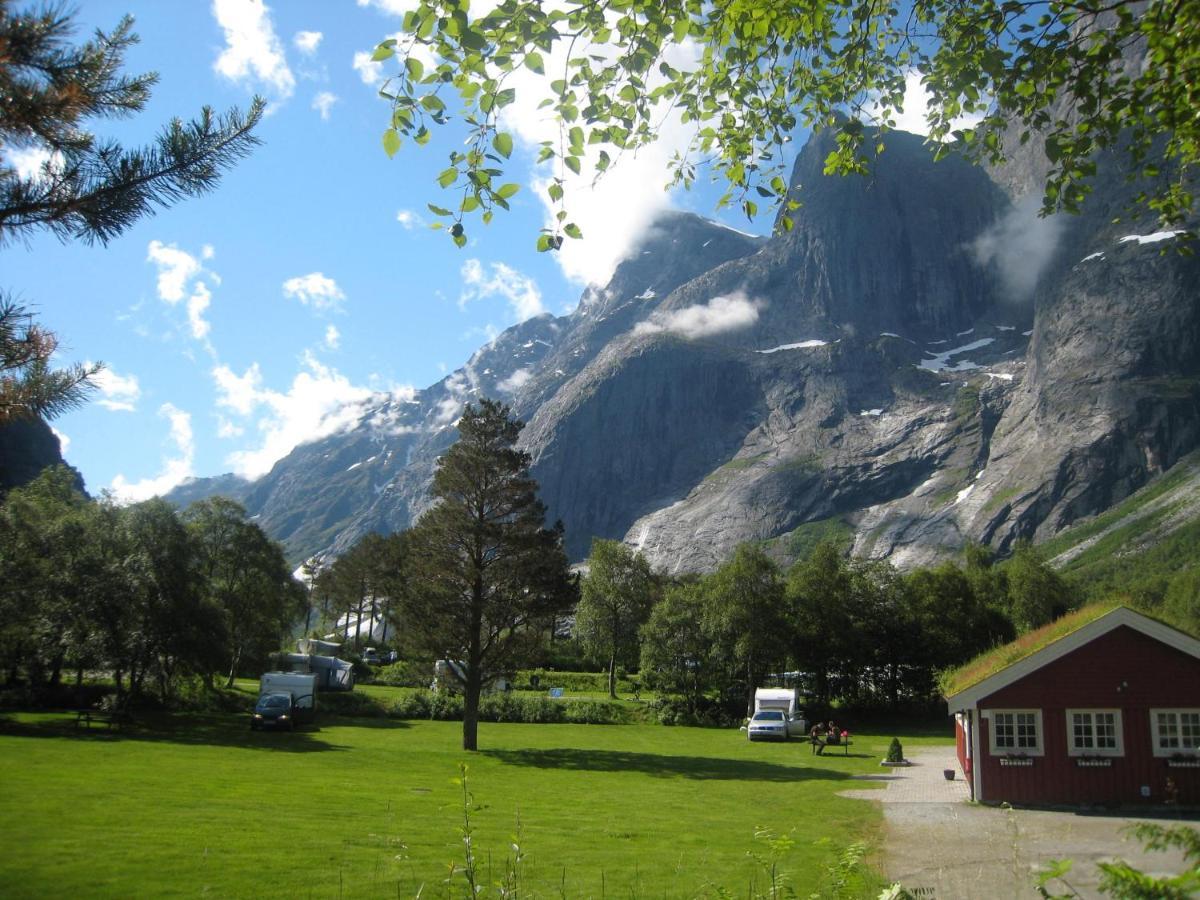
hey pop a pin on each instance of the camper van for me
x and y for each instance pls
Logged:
(285, 699)
(775, 716)
(451, 675)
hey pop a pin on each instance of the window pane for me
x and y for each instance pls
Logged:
(1189, 730)
(1026, 731)
(1081, 731)
(1106, 731)
(1168, 730)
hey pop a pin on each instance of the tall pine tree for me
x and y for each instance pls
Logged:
(491, 576)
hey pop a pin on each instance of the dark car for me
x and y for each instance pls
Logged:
(274, 710)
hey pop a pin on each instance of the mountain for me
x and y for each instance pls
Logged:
(919, 362)
(26, 447)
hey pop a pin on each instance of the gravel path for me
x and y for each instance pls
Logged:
(937, 841)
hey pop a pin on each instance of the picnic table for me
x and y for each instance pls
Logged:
(819, 744)
(110, 719)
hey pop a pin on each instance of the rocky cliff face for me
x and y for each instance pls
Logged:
(919, 362)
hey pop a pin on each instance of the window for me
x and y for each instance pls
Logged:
(1175, 731)
(1094, 732)
(1016, 731)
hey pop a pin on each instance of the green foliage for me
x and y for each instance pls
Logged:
(505, 707)
(1123, 882)
(492, 577)
(405, 673)
(895, 752)
(617, 596)
(1036, 593)
(802, 542)
(93, 189)
(136, 591)
(573, 682)
(610, 76)
(29, 387)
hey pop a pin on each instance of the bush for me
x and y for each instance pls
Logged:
(350, 703)
(406, 673)
(708, 713)
(509, 708)
(895, 753)
(589, 682)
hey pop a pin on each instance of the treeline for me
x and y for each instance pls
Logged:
(144, 593)
(850, 631)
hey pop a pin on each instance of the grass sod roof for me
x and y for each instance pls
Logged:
(984, 666)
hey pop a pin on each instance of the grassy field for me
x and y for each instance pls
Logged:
(200, 805)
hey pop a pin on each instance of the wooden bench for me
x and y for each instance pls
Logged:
(110, 720)
(819, 745)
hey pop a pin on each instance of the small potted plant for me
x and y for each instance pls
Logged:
(895, 754)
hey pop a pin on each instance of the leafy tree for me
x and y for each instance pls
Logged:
(368, 581)
(613, 73)
(954, 624)
(92, 189)
(745, 617)
(491, 575)
(616, 598)
(245, 575)
(1036, 593)
(676, 656)
(819, 594)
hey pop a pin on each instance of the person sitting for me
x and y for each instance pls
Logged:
(817, 737)
(831, 734)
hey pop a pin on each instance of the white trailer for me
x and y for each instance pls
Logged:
(302, 688)
(781, 700)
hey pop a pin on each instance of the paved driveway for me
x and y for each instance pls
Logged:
(936, 840)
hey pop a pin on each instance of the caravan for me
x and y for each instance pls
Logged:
(775, 716)
(285, 699)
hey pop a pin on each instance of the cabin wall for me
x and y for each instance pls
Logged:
(1125, 670)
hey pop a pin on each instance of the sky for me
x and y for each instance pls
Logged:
(237, 325)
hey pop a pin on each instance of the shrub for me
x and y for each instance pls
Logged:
(406, 673)
(895, 752)
(509, 708)
(350, 703)
(590, 682)
(673, 711)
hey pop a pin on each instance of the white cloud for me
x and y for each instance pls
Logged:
(397, 7)
(238, 392)
(323, 103)
(515, 381)
(252, 50)
(307, 41)
(320, 402)
(913, 118)
(207, 252)
(227, 429)
(333, 338)
(1019, 245)
(409, 219)
(719, 315)
(196, 305)
(613, 212)
(64, 442)
(519, 290)
(368, 70)
(119, 393)
(175, 470)
(315, 290)
(175, 269)
(29, 161)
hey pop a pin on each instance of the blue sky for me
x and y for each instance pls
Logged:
(236, 325)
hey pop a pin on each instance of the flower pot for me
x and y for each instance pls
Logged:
(949, 773)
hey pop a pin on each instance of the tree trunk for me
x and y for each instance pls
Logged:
(749, 689)
(233, 667)
(612, 675)
(471, 691)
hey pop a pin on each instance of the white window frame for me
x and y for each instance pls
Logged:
(1154, 735)
(1118, 727)
(1038, 750)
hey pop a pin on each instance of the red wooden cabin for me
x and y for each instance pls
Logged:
(1107, 714)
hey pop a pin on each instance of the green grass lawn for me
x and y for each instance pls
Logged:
(200, 805)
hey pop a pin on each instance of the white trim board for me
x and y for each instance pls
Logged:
(1122, 615)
